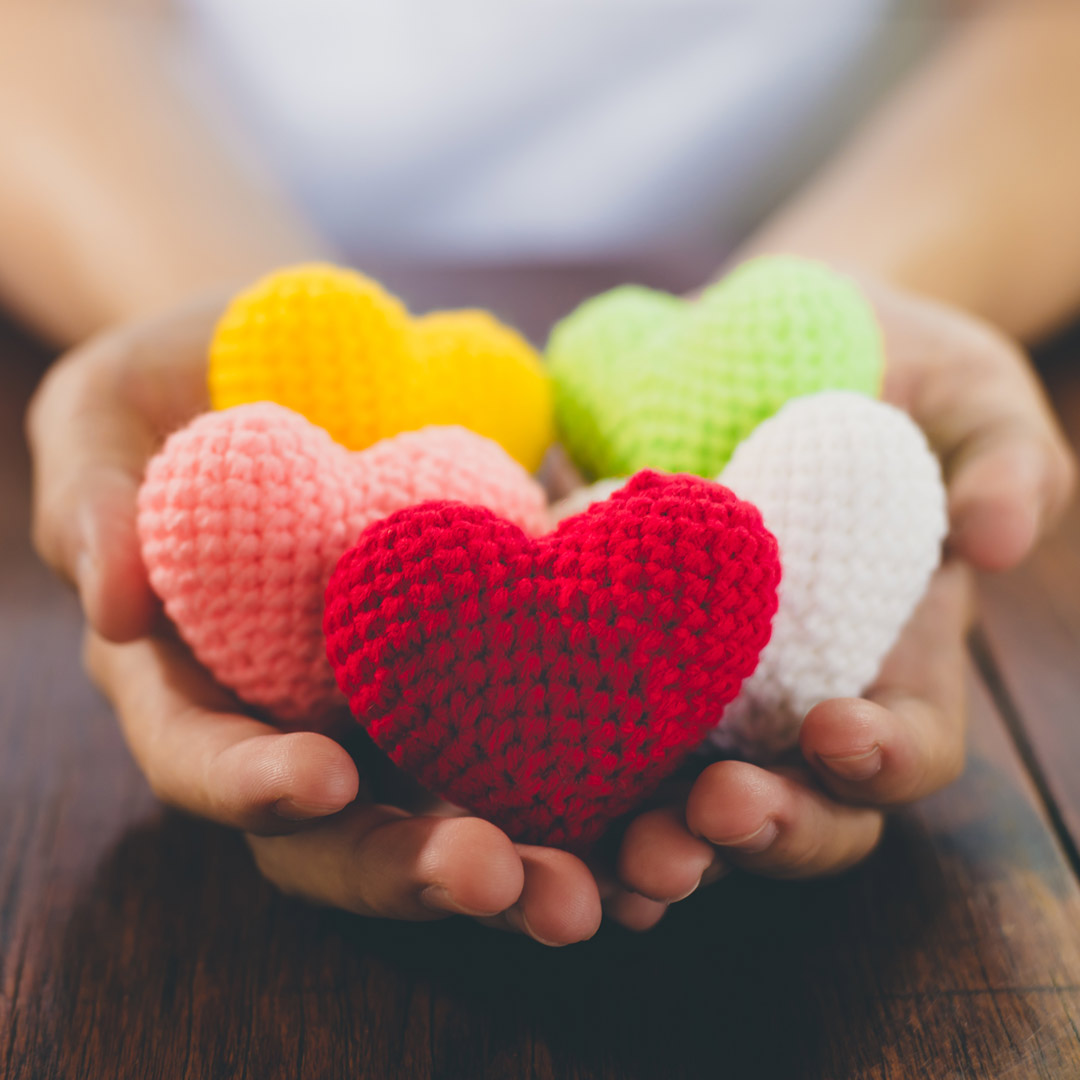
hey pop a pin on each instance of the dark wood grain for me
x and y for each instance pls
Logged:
(138, 943)
(1031, 622)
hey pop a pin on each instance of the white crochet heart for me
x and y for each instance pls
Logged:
(854, 496)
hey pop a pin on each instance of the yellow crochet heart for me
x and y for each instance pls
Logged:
(336, 347)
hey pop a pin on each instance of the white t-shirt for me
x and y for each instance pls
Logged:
(495, 128)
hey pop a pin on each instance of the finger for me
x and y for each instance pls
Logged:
(633, 911)
(202, 756)
(773, 823)
(559, 902)
(974, 393)
(907, 739)
(1008, 482)
(660, 858)
(88, 459)
(98, 416)
(379, 861)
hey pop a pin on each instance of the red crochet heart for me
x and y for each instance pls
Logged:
(549, 685)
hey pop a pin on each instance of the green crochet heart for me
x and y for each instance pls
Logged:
(648, 380)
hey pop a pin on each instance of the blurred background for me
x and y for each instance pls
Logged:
(479, 129)
(153, 147)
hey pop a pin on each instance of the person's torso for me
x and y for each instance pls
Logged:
(496, 127)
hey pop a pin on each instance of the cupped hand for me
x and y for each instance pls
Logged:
(312, 823)
(311, 819)
(1009, 473)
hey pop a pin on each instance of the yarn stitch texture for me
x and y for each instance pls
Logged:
(336, 347)
(550, 684)
(647, 380)
(244, 513)
(854, 496)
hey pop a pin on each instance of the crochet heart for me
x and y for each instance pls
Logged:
(550, 684)
(647, 380)
(336, 347)
(244, 513)
(855, 499)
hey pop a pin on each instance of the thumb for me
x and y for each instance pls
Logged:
(1009, 469)
(93, 424)
(88, 455)
(102, 548)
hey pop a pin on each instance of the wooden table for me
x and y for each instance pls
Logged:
(135, 942)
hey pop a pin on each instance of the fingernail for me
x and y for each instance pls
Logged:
(701, 879)
(439, 898)
(294, 810)
(516, 918)
(715, 872)
(758, 840)
(689, 892)
(855, 766)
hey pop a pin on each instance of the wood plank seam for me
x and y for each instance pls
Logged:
(983, 657)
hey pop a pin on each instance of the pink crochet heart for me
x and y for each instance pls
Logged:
(244, 514)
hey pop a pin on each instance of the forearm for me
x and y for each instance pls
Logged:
(116, 196)
(965, 187)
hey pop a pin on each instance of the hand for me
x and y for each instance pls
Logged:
(311, 822)
(1009, 474)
